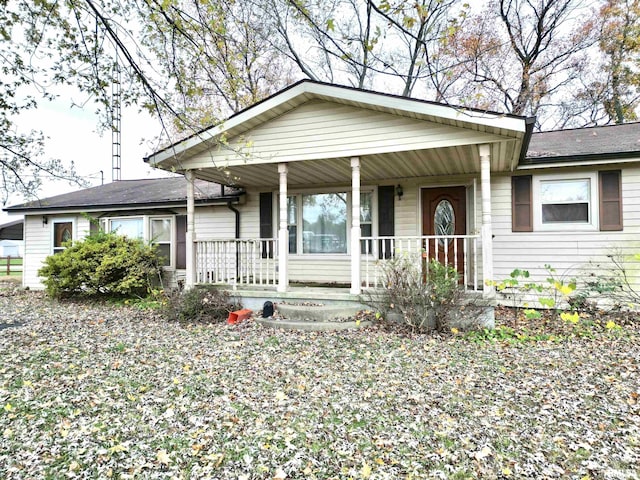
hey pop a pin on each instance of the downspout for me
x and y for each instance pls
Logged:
(237, 212)
(530, 123)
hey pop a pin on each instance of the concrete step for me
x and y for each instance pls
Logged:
(308, 326)
(317, 313)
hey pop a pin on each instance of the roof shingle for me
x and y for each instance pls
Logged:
(130, 193)
(606, 140)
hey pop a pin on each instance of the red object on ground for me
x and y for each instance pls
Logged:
(238, 316)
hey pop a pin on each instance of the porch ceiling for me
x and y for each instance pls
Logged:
(337, 171)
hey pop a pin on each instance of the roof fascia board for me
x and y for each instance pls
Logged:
(411, 105)
(213, 132)
(369, 98)
(578, 163)
(115, 208)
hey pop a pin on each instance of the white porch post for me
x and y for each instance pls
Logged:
(190, 256)
(355, 226)
(487, 229)
(283, 232)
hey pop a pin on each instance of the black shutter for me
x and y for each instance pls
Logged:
(386, 219)
(181, 241)
(266, 222)
(521, 204)
(610, 195)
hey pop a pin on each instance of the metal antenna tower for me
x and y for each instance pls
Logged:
(116, 123)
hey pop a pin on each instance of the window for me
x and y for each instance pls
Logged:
(62, 233)
(366, 221)
(161, 236)
(129, 227)
(444, 221)
(565, 201)
(324, 220)
(155, 230)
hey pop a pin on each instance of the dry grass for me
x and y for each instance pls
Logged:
(112, 392)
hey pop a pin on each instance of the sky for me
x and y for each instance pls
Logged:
(73, 136)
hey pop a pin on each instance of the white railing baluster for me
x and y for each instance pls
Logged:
(465, 268)
(424, 248)
(455, 253)
(475, 264)
(247, 262)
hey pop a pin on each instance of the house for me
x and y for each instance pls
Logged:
(573, 199)
(11, 244)
(323, 183)
(151, 209)
(12, 230)
(338, 179)
(10, 248)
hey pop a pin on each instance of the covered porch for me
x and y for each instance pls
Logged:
(340, 181)
(354, 258)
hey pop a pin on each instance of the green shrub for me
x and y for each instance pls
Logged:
(102, 264)
(199, 304)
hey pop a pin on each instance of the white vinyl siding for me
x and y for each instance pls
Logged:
(217, 222)
(38, 243)
(322, 130)
(566, 251)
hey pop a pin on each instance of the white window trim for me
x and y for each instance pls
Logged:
(53, 235)
(329, 256)
(591, 225)
(146, 231)
(172, 241)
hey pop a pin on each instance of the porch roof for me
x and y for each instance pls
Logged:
(316, 128)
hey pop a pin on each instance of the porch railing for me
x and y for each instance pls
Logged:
(459, 251)
(237, 262)
(254, 262)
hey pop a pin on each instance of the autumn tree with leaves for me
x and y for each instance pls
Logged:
(519, 55)
(192, 63)
(620, 44)
(187, 62)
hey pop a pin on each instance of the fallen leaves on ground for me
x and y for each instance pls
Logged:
(100, 391)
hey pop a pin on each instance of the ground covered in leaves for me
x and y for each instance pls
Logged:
(116, 392)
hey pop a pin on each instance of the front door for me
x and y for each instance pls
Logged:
(444, 213)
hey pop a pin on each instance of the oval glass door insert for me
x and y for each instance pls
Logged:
(444, 220)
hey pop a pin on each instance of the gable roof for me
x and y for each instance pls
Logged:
(305, 90)
(588, 144)
(123, 194)
(328, 124)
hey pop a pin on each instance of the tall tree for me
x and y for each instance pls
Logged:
(217, 54)
(191, 63)
(22, 166)
(367, 44)
(337, 41)
(620, 43)
(421, 28)
(194, 62)
(520, 53)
